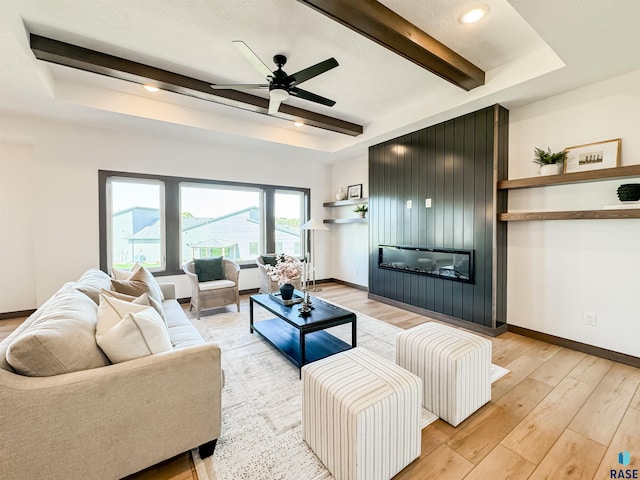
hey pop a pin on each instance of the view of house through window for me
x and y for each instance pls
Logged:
(164, 222)
(289, 215)
(136, 222)
(220, 221)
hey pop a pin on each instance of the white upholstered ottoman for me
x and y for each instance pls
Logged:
(454, 365)
(361, 414)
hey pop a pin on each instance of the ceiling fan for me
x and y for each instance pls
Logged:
(281, 85)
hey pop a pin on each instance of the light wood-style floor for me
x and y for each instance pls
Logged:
(559, 414)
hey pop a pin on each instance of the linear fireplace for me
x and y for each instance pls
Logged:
(443, 263)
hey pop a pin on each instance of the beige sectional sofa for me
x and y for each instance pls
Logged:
(66, 412)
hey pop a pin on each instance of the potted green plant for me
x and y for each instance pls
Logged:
(361, 210)
(550, 163)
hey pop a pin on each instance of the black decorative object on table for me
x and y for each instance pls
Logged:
(629, 192)
(286, 290)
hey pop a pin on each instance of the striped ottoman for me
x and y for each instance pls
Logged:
(455, 367)
(361, 415)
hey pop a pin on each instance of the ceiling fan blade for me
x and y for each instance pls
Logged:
(313, 71)
(241, 86)
(253, 58)
(298, 92)
(274, 105)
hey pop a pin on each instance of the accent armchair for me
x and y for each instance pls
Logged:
(214, 293)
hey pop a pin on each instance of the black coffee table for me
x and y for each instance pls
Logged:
(302, 339)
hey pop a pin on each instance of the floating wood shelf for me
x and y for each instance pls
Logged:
(342, 203)
(566, 178)
(571, 215)
(345, 220)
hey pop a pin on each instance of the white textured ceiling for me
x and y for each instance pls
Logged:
(528, 49)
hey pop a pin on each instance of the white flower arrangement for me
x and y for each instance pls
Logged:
(286, 269)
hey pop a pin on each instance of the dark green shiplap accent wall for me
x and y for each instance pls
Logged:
(457, 164)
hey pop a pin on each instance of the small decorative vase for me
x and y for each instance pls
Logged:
(286, 290)
(341, 195)
(361, 214)
(551, 169)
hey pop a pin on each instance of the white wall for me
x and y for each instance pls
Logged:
(17, 207)
(557, 270)
(349, 241)
(49, 196)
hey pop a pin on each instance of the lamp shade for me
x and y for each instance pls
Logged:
(314, 224)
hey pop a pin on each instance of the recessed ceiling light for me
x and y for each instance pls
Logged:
(151, 88)
(298, 124)
(473, 14)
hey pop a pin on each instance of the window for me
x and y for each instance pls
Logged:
(289, 216)
(135, 220)
(220, 220)
(163, 222)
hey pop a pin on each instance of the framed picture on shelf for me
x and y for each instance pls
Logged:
(354, 191)
(593, 156)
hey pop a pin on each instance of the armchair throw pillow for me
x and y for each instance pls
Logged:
(209, 269)
(269, 260)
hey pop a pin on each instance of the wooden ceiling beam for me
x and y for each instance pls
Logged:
(73, 56)
(385, 27)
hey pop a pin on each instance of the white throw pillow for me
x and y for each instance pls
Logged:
(111, 310)
(126, 331)
(143, 299)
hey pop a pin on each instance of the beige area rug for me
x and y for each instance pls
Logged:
(261, 402)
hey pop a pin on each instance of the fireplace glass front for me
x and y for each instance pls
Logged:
(454, 265)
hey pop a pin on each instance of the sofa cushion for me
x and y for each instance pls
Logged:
(143, 299)
(91, 282)
(215, 285)
(126, 330)
(181, 331)
(60, 340)
(209, 269)
(140, 281)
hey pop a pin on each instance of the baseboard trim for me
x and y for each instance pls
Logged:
(16, 314)
(347, 284)
(492, 332)
(579, 346)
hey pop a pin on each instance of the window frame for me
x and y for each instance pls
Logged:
(161, 208)
(172, 214)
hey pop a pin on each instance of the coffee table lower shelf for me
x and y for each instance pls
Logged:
(286, 339)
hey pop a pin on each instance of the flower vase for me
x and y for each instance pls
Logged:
(286, 290)
(341, 194)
